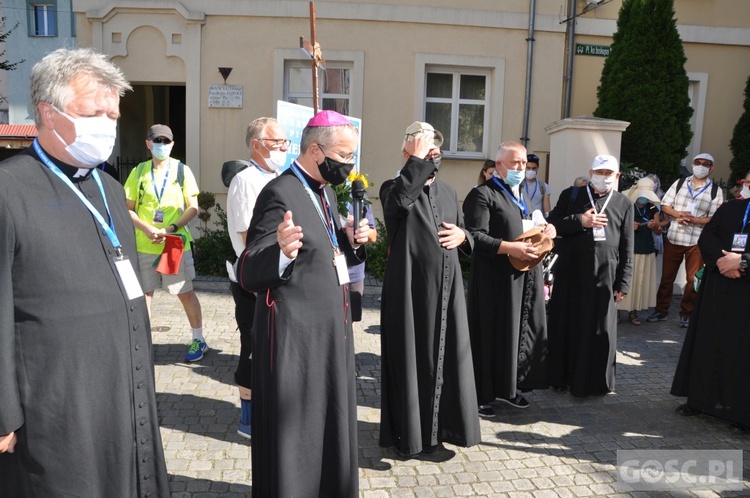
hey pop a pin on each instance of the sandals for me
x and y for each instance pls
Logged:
(634, 318)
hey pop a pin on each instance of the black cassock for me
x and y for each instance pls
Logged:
(582, 322)
(715, 361)
(507, 318)
(76, 368)
(428, 393)
(304, 420)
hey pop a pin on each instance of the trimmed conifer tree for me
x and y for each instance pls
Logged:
(740, 143)
(645, 83)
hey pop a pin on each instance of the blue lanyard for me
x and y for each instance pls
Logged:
(109, 228)
(693, 196)
(642, 213)
(522, 207)
(536, 187)
(744, 220)
(329, 228)
(163, 185)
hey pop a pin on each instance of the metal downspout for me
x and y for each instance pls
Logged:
(529, 68)
(571, 33)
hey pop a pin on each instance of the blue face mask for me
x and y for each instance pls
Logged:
(161, 151)
(642, 201)
(514, 177)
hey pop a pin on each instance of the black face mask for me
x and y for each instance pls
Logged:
(334, 172)
(436, 161)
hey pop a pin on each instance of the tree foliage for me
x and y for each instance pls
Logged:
(740, 143)
(4, 64)
(645, 83)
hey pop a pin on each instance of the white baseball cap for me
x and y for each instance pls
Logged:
(606, 162)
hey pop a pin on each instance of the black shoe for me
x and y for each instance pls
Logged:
(686, 411)
(517, 402)
(403, 456)
(486, 411)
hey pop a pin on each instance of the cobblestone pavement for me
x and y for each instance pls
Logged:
(558, 447)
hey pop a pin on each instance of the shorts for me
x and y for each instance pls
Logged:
(174, 284)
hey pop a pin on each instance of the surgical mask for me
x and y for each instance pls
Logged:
(95, 138)
(642, 201)
(530, 174)
(745, 192)
(700, 171)
(161, 151)
(603, 183)
(276, 159)
(334, 172)
(514, 177)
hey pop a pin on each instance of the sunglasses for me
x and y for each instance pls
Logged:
(161, 141)
(698, 162)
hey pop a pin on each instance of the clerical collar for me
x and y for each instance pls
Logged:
(314, 184)
(75, 173)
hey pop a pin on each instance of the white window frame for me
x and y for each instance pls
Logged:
(45, 9)
(493, 68)
(455, 100)
(305, 66)
(697, 91)
(348, 59)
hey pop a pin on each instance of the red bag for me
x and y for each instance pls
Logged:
(169, 261)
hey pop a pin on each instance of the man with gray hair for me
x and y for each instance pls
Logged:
(428, 394)
(268, 145)
(78, 414)
(304, 421)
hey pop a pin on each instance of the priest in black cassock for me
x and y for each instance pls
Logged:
(78, 413)
(428, 394)
(713, 367)
(507, 317)
(304, 421)
(592, 275)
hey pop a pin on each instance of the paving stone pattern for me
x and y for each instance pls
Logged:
(560, 446)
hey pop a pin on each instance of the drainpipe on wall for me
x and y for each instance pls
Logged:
(571, 34)
(529, 67)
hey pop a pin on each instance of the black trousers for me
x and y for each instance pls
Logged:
(244, 313)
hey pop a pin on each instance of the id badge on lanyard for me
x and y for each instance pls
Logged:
(127, 276)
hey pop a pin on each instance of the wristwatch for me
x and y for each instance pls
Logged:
(743, 264)
(174, 227)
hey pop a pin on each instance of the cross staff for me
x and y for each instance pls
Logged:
(312, 49)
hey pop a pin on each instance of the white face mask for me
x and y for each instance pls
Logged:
(700, 171)
(95, 139)
(603, 183)
(276, 160)
(161, 151)
(530, 175)
(745, 192)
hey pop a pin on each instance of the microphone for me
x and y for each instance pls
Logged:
(358, 202)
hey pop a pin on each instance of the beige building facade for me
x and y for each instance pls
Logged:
(461, 66)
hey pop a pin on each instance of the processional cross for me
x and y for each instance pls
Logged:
(312, 49)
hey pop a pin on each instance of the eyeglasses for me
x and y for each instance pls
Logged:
(698, 162)
(437, 136)
(351, 158)
(161, 140)
(278, 142)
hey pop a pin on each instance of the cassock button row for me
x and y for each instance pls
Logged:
(142, 422)
(144, 459)
(140, 405)
(140, 385)
(143, 441)
(145, 478)
(137, 347)
(135, 327)
(138, 367)
(132, 308)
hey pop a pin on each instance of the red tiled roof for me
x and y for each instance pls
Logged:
(11, 131)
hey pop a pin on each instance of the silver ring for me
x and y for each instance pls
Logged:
(283, 244)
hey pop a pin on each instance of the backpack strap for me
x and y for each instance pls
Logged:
(714, 187)
(139, 174)
(543, 189)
